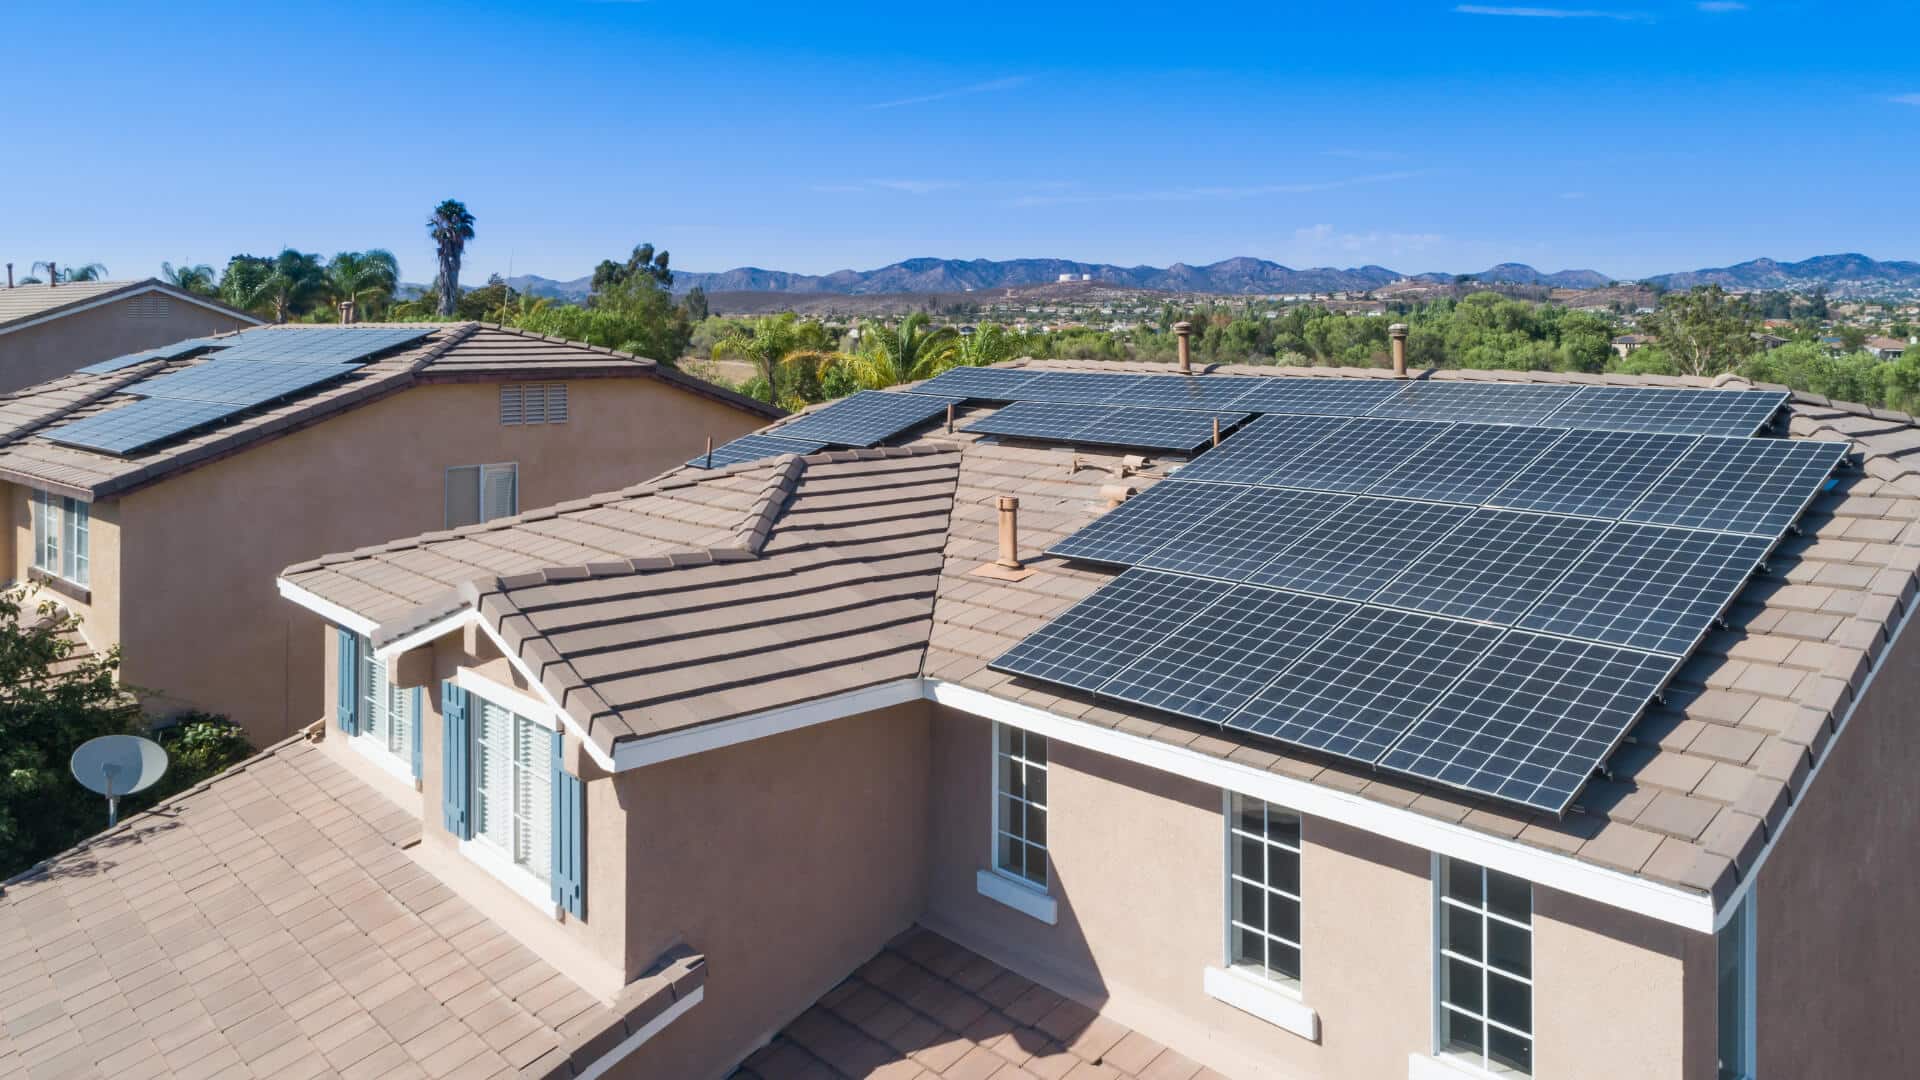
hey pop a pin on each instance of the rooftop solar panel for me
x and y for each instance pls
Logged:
(866, 418)
(1671, 410)
(1649, 587)
(1259, 448)
(1742, 485)
(1593, 473)
(1358, 689)
(239, 383)
(1494, 566)
(1129, 532)
(1486, 403)
(1094, 639)
(1356, 455)
(1356, 549)
(1048, 420)
(1316, 397)
(1532, 719)
(1207, 393)
(130, 427)
(332, 344)
(977, 383)
(1086, 387)
(1243, 535)
(164, 352)
(1211, 665)
(1467, 463)
(1154, 429)
(754, 448)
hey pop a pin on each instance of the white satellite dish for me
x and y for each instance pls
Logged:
(116, 765)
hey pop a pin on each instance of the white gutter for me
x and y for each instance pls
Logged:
(647, 1031)
(326, 609)
(638, 753)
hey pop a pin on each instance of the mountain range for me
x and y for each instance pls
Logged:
(1840, 274)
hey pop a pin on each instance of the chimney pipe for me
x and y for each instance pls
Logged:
(53, 275)
(9, 275)
(346, 312)
(1183, 330)
(1009, 534)
(709, 452)
(1397, 340)
(949, 417)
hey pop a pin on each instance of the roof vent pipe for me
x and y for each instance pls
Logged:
(9, 275)
(53, 275)
(1010, 534)
(346, 312)
(1397, 341)
(1184, 330)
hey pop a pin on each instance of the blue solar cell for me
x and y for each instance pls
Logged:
(1050, 421)
(1207, 393)
(1129, 532)
(977, 383)
(1094, 639)
(1085, 387)
(866, 418)
(1671, 410)
(1494, 566)
(1593, 473)
(1316, 397)
(324, 344)
(1757, 486)
(1467, 463)
(1255, 451)
(239, 383)
(754, 447)
(1356, 549)
(1356, 455)
(164, 352)
(1468, 402)
(137, 424)
(1245, 534)
(1155, 429)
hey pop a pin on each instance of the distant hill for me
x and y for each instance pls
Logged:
(1841, 274)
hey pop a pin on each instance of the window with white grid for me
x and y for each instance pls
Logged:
(389, 720)
(1263, 910)
(1020, 804)
(1484, 962)
(60, 526)
(513, 787)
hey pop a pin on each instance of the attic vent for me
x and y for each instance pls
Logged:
(149, 307)
(533, 403)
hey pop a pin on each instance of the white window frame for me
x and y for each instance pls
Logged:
(62, 527)
(1279, 1001)
(370, 698)
(481, 472)
(1012, 887)
(1745, 922)
(1483, 1064)
(482, 851)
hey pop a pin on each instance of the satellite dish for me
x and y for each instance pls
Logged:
(116, 765)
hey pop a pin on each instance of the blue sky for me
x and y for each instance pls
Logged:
(1629, 136)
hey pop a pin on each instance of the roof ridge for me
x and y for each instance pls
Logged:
(461, 332)
(556, 339)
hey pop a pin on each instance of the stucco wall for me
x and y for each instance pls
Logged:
(34, 354)
(100, 612)
(1836, 948)
(200, 618)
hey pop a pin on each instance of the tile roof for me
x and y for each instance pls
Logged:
(271, 923)
(453, 352)
(925, 1007)
(1693, 792)
(28, 301)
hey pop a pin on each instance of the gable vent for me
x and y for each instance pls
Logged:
(149, 306)
(533, 403)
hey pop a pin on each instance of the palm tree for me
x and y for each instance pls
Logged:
(907, 352)
(990, 343)
(193, 277)
(88, 272)
(286, 284)
(774, 341)
(372, 274)
(451, 226)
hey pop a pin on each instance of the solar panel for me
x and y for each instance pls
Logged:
(1531, 720)
(1356, 549)
(1154, 429)
(1593, 473)
(1212, 664)
(330, 344)
(1742, 485)
(977, 383)
(1048, 420)
(1467, 463)
(1649, 587)
(239, 383)
(1486, 403)
(1316, 397)
(164, 352)
(1494, 566)
(1671, 410)
(1094, 639)
(866, 418)
(138, 424)
(1243, 535)
(1356, 455)
(753, 448)
(1207, 393)
(1250, 454)
(1087, 387)
(1357, 690)
(1129, 532)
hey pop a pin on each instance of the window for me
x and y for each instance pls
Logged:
(477, 493)
(389, 716)
(1484, 966)
(1738, 999)
(533, 403)
(1263, 935)
(60, 536)
(512, 788)
(1020, 804)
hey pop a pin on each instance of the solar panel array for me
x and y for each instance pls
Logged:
(165, 352)
(332, 344)
(1107, 425)
(1486, 605)
(754, 448)
(865, 418)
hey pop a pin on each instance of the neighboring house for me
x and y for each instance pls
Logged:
(710, 772)
(1886, 348)
(1626, 345)
(47, 331)
(169, 550)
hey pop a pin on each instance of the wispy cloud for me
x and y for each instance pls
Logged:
(1719, 7)
(1905, 99)
(987, 87)
(1550, 13)
(1223, 192)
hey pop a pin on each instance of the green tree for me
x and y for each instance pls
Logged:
(902, 353)
(193, 277)
(368, 278)
(777, 345)
(243, 284)
(1852, 338)
(293, 281)
(990, 343)
(643, 262)
(695, 303)
(451, 226)
(1704, 332)
(66, 272)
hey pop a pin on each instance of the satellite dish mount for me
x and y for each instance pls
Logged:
(116, 765)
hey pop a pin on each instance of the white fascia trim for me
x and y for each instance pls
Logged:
(1752, 875)
(1017, 895)
(637, 753)
(116, 297)
(427, 634)
(535, 709)
(325, 608)
(647, 1031)
(1262, 998)
(1690, 910)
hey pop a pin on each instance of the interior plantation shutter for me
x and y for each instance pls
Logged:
(417, 713)
(347, 680)
(500, 492)
(569, 835)
(456, 754)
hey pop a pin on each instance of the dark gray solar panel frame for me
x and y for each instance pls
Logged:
(754, 447)
(1356, 455)
(1756, 486)
(1240, 537)
(1671, 410)
(1476, 402)
(1143, 524)
(1256, 450)
(1468, 462)
(867, 418)
(1494, 566)
(1091, 642)
(1354, 551)
(1599, 474)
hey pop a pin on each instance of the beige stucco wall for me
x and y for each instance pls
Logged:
(99, 611)
(1836, 948)
(199, 614)
(48, 350)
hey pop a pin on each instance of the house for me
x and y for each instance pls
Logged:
(711, 773)
(161, 546)
(47, 331)
(1886, 348)
(1625, 345)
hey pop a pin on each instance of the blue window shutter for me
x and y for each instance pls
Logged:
(569, 839)
(456, 753)
(347, 680)
(418, 720)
